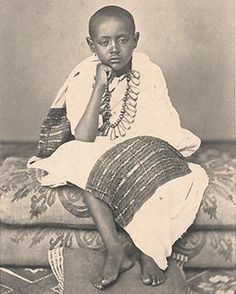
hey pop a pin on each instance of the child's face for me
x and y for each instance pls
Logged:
(113, 41)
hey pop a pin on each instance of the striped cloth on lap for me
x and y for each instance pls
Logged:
(129, 173)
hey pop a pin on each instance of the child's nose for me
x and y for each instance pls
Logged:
(114, 47)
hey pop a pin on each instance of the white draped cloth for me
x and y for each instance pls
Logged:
(173, 207)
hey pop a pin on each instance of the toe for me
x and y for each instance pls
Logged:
(106, 281)
(160, 280)
(154, 281)
(97, 284)
(146, 279)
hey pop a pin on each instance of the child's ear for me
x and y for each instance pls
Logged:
(136, 38)
(90, 43)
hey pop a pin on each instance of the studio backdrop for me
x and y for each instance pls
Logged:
(192, 41)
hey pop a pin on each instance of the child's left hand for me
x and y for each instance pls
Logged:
(104, 74)
(110, 74)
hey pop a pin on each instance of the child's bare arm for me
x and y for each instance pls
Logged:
(87, 127)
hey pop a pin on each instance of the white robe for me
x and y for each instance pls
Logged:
(160, 221)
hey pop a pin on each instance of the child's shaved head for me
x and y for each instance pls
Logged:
(110, 11)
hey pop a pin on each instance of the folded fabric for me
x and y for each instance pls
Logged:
(24, 202)
(218, 207)
(29, 245)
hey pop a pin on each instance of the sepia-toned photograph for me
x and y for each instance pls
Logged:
(117, 147)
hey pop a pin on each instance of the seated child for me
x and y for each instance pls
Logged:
(129, 151)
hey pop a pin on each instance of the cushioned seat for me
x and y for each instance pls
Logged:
(64, 205)
(203, 249)
(24, 204)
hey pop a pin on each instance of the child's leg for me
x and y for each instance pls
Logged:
(151, 274)
(165, 217)
(117, 260)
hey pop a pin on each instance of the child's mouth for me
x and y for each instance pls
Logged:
(115, 60)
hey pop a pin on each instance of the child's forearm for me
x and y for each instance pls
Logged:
(87, 127)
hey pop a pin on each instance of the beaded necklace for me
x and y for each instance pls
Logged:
(128, 108)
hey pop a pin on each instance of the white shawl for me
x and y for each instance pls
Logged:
(157, 115)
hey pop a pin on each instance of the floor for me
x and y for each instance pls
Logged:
(42, 281)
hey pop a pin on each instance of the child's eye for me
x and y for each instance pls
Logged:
(104, 43)
(123, 40)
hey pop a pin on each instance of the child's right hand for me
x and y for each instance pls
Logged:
(104, 75)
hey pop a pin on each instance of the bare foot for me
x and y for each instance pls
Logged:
(116, 263)
(151, 274)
